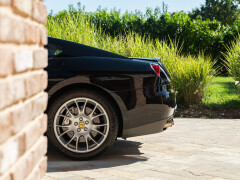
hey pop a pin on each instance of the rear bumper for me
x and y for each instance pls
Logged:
(151, 113)
(151, 128)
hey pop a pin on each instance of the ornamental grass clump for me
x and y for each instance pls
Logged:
(191, 77)
(233, 61)
(189, 74)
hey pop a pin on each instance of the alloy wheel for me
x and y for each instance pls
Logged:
(81, 125)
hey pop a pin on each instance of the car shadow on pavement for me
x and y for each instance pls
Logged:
(121, 153)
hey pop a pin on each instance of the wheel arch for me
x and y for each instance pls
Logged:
(93, 88)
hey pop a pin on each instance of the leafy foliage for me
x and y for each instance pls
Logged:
(190, 75)
(225, 11)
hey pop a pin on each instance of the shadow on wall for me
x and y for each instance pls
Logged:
(121, 153)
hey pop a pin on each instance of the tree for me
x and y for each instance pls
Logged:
(226, 11)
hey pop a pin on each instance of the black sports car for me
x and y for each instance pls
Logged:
(96, 96)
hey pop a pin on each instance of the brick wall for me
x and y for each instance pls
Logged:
(22, 83)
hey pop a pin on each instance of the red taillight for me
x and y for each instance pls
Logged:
(156, 68)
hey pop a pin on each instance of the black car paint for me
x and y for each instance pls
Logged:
(145, 100)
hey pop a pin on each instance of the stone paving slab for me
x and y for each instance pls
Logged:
(191, 149)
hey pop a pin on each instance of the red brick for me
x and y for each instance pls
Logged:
(23, 60)
(43, 166)
(40, 58)
(5, 2)
(19, 168)
(11, 30)
(29, 164)
(31, 33)
(33, 84)
(43, 36)
(39, 12)
(8, 154)
(18, 31)
(22, 81)
(39, 104)
(41, 151)
(23, 6)
(37, 34)
(44, 123)
(21, 144)
(39, 171)
(11, 91)
(5, 125)
(6, 62)
(32, 132)
(5, 27)
(36, 83)
(16, 89)
(29, 160)
(35, 174)
(5, 176)
(4, 96)
(21, 115)
(44, 80)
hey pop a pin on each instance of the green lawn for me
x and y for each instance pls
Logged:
(222, 93)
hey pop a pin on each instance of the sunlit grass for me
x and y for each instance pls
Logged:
(222, 93)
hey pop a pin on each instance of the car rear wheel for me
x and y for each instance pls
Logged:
(82, 124)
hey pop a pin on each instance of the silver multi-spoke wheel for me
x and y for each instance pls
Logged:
(81, 125)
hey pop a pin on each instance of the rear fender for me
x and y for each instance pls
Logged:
(85, 80)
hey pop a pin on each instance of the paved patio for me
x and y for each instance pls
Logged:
(192, 149)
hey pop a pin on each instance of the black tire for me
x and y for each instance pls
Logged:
(104, 102)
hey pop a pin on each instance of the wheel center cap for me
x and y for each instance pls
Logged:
(81, 124)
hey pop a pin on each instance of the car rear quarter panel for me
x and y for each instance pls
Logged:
(142, 96)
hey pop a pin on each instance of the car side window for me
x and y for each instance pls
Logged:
(54, 50)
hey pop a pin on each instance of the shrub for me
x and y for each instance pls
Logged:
(191, 77)
(233, 59)
(189, 74)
